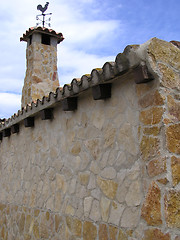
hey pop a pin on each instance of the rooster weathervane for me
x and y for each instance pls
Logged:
(43, 9)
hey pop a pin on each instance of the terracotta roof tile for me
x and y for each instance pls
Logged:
(31, 30)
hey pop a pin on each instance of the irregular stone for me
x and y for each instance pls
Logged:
(21, 223)
(172, 209)
(95, 211)
(151, 99)
(84, 119)
(112, 157)
(134, 172)
(92, 132)
(72, 186)
(127, 139)
(170, 78)
(142, 89)
(151, 131)
(151, 116)
(109, 136)
(50, 203)
(108, 187)
(44, 231)
(87, 206)
(84, 178)
(89, 231)
(94, 146)
(70, 210)
(122, 235)
(60, 183)
(149, 147)
(36, 230)
(130, 217)
(108, 172)
(103, 232)
(104, 207)
(177, 238)
(162, 51)
(134, 195)
(58, 221)
(81, 192)
(121, 176)
(167, 121)
(113, 232)
(121, 193)
(92, 182)
(74, 225)
(175, 168)
(79, 212)
(29, 223)
(139, 231)
(116, 212)
(163, 181)
(53, 153)
(84, 160)
(94, 167)
(153, 234)
(27, 237)
(76, 149)
(58, 201)
(156, 166)
(173, 138)
(98, 119)
(96, 193)
(151, 209)
(173, 107)
(2, 207)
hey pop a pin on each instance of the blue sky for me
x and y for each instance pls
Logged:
(95, 32)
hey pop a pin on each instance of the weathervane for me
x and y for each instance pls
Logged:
(43, 9)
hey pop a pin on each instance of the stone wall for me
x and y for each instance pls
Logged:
(109, 170)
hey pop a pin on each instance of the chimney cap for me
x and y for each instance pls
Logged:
(48, 31)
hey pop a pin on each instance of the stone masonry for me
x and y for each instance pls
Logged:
(41, 74)
(109, 170)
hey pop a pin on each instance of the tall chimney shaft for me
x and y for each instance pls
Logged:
(41, 60)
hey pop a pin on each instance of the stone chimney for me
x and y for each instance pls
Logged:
(41, 60)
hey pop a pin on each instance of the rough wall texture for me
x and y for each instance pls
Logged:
(41, 73)
(109, 170)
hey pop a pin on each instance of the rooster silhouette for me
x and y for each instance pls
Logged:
(43, 9)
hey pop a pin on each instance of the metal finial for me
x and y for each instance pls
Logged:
(43, 9)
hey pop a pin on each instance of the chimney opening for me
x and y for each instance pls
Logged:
(45, 39)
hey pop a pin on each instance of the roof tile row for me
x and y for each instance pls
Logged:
(107, 73)
(51, 32)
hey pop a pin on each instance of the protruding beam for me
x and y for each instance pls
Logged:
(15, 128)
(7, 132)
(47, 114)
(69, 104)
(29, 122)
(142, 75)
(101, 91)
(1, 135)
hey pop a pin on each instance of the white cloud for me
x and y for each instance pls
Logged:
(11, 84)
(11, 104)
(84, 32)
